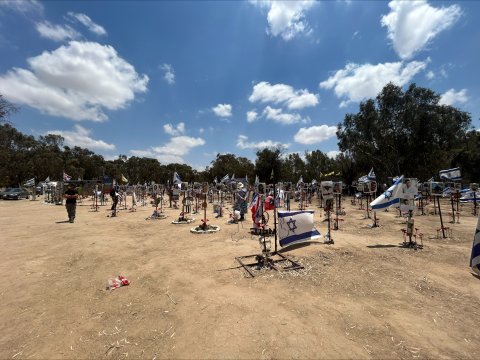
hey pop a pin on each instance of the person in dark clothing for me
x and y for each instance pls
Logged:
(71, 203)
(114, 195)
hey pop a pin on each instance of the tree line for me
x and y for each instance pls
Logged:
(399, 132)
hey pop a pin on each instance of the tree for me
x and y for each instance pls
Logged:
(230, 164)
(6, 109)
(406, 133)
(267, 160)
(293, 168)
(316, 164)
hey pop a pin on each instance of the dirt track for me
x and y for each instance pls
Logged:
(363, 297)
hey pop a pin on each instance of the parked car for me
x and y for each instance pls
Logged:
(15, 194)
(4, 191)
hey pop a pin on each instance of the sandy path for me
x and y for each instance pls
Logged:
(363, 297)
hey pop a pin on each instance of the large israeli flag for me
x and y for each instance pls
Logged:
(475, 258)
(296, 227)
(451, 174)
(389, 197)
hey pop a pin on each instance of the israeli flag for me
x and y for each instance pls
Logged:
(389, 197)
(451, 174)
(300, 181)
(254, 200)
(225, 178)
(371, 175)
(176, 178)
(475, 258)
(30, 182)
(296, 227)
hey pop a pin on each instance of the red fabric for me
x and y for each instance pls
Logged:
(269, 203)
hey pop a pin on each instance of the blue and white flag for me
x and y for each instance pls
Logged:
(176, 178)
(389, 197)
(30, 182)
(47, 180)
(363, 179)
(296, 227)
(447, 191)
(371, 175)
(225, 178)
(66, 177)
(470, 196)
(300, 181)
(451, 174)
(254, 200)
(475, 258)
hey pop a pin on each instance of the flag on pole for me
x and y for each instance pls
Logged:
(258, 208)
(389, 197)
(216, 180)
(300, 181)
(257, 180)
(30, 182)
(47, 180)
(176, 178)
(254, 200)
(225, 178)
(66, 177)
(371, 175)
(451, 174)
(271, 175)
(296, 227)
(124, 179)
(475, 257)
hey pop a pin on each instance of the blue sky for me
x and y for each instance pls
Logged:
(182, 81)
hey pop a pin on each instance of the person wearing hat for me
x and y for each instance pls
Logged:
(71, 203)
(241, 200)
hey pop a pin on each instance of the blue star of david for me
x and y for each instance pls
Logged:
(387, 194)
(291, 225)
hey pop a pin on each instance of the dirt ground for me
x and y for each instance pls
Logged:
(362, 297)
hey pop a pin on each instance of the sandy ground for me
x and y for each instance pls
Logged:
(362, 297)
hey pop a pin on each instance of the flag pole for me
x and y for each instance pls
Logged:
(275, 213)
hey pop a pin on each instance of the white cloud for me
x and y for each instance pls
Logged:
(454, 97)
(88, 23)
(223, 110)
(81, 137)
(281, 117)
(332, 154)
(430, 75)
(173, 151)
(287, 18)
(76, 81)
(251, 116)
(242, 143)
(413, 24)
(56, 32)
(315, 134)
(23, 6)
(169, 75)
(283, 94)
(357, 82)
(174, 131)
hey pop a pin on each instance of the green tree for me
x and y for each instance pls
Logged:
(6, 109)
(406, 133)
(267, 160)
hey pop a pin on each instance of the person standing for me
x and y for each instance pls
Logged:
(71, 203)
(114, 195)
